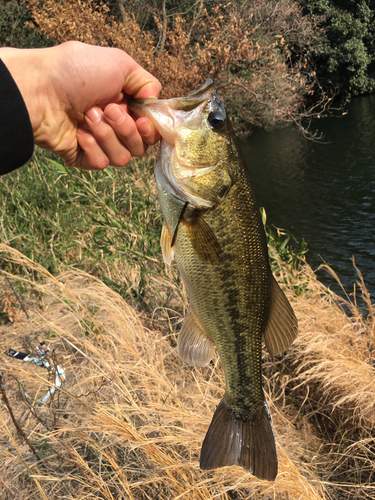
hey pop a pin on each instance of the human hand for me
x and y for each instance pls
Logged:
(76, 96)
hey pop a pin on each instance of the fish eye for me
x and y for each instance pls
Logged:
(216, 120)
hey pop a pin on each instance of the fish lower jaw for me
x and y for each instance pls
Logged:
(195, 201)
(183, 172)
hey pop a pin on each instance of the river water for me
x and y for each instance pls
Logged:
(323, 192)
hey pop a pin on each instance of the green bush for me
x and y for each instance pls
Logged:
(346, 58)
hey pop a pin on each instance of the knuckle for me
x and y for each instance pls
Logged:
(87, 141)
(97, 162)
(140, 151)
(102, 164)
(131, 133)
(104, 134)
(122, 161)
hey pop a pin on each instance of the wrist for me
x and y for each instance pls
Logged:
(27, 67)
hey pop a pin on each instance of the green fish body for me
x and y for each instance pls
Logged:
(213, 229)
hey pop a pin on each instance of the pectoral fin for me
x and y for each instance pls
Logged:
(193, 345)
(168, 239)
(182, 213)
(201, 236)
(166, 245)
(282, 325)
(202, 239)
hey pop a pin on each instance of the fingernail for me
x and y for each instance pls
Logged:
(114, 113)
(94, 115)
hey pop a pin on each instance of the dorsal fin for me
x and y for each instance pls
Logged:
(193, 345)
(282, 325)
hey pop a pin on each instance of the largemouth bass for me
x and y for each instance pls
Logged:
(212, 227)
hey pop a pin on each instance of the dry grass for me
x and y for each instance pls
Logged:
(333, 380)
(336, 352)
(130, 420)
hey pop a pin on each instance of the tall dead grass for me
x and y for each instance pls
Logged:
(332, 379)
(336, 351)
(130, 419)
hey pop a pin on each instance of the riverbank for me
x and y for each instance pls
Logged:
(131, 417)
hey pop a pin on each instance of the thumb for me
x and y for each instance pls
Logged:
(138, 82)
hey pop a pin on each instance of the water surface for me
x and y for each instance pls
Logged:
(323, 192)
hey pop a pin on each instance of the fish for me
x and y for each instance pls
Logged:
(213, 229)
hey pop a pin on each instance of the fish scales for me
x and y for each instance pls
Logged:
(230, 296)
(212, 227)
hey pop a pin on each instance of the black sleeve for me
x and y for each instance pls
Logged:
(16, 133)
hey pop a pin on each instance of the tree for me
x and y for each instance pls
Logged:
(346, 58)
(14, 32)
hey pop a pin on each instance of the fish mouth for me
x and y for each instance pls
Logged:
(168, 114)
(168, 117)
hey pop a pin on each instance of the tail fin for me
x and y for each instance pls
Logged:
(249, 443)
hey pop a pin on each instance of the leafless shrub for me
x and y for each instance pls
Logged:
(255, 51)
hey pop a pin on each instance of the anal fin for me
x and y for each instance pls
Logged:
(249, 443)
(193, 345)
(282, 325)
(166, 244)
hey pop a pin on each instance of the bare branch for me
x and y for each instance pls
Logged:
(164, 26)
(121, 6)
(20, 431)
